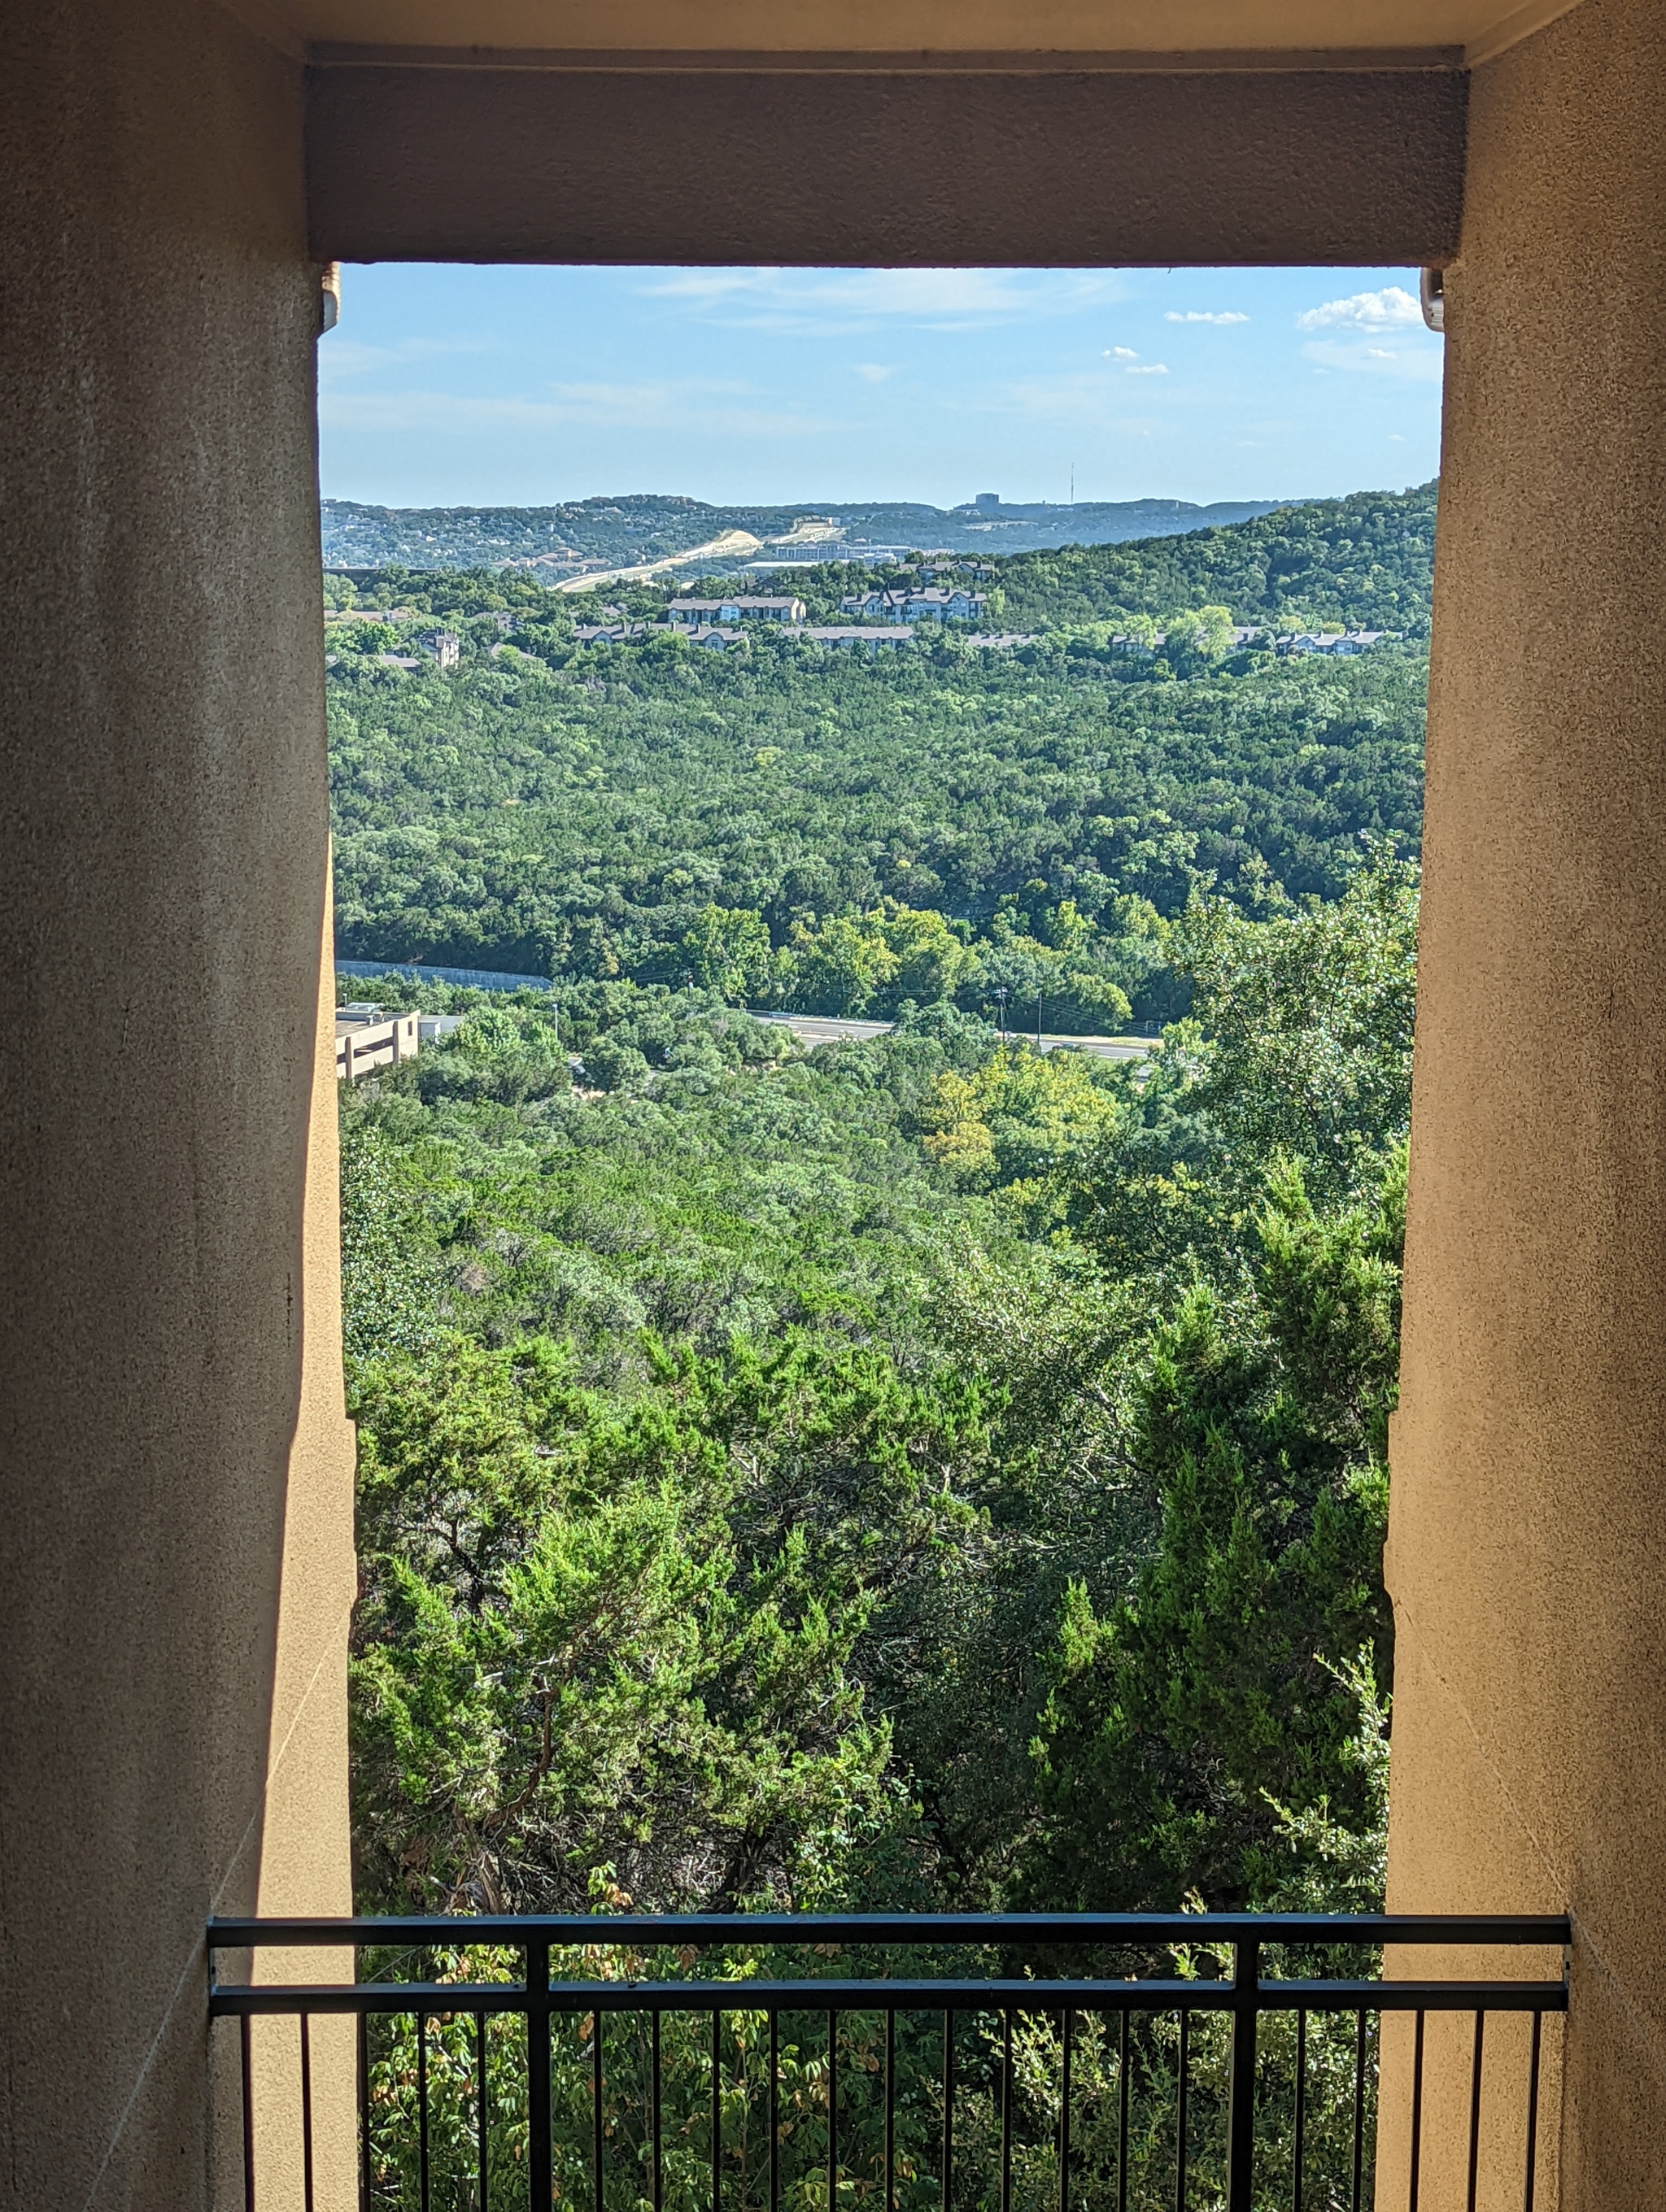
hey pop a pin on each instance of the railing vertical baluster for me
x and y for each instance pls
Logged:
(1122, 2122)
(538, 2077)
(596, 2170)
(717, 2109)
(948, 2112)
(1064, 2039)
(1181, 2116)
(363, 2040)
(1475, 2111)
(422, 2197)
(775, 2115)
(1417, 2116)
(891, 2113)
(657, 2183)
(1006, 2111)
(306, 2111)
(1299, 2144)
(1533, 2110)
(482, 2181)
(248, 2115)
(1241, 2093)
(424, 2153)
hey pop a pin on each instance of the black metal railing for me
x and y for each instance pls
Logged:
(579, 2062)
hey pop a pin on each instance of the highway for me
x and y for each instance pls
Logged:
(733, 544)
(819, 1029)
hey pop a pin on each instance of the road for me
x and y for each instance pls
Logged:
(733, 544)
(818, 1028)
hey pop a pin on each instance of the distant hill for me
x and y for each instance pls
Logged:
(652, 526)
(1366, 561)
(552, 800)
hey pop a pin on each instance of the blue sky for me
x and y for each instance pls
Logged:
(467, 387)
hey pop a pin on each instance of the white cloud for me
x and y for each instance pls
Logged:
(1121, 353)
(1419, 364)
(346, 357)
(1390, 309)
(826, 302)
(1148, 369)
(1196, 315)
(1092, 396)
(690, 406)
(872, 371)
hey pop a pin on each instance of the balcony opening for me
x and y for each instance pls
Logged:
(874, 1023)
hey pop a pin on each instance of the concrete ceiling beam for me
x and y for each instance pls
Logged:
(852, 166)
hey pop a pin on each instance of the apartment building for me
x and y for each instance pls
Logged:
(915, 602)
(698, 614)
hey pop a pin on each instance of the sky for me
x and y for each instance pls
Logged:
(454, 387)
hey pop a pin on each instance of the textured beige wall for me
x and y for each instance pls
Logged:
(174, 1476)
(1079, 169)
(1528, 1545)
(175, 1464)
(904, 26)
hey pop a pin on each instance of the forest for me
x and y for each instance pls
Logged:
(843, 834)
(917, 1472)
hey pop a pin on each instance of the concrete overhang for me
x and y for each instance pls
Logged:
(1458, 31)
(1070, 132)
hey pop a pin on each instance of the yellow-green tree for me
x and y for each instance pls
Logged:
(1021, 1116)
(727, 950)
(841, 964)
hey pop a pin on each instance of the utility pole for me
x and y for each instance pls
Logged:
(1038, 1005)
(1001, 1004)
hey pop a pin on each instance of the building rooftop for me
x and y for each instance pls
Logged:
(863, 633)
(748, 605)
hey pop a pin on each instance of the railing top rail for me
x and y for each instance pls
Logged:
(702, 1930)
(1083, 1997)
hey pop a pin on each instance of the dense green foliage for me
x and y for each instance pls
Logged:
(915, 1472)
(1364, 561)
(502, 820)
(911, 1470)
(781, 1482)
(548, 808)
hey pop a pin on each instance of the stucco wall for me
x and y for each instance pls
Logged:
(174, 1470)
(175, 1464)
(1527, 1546)
(1064, 168)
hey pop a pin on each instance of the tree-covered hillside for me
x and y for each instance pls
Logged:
(1365, 562)
(583, 818)
(549, 804)
(905, 1466)
(637, 526)
(919, 1472)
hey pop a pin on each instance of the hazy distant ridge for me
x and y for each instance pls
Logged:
(652, 526)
